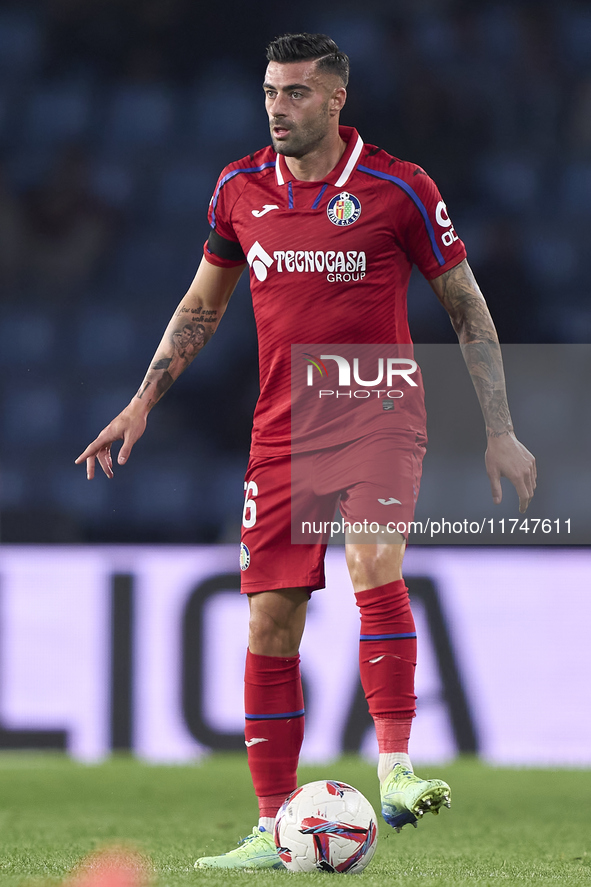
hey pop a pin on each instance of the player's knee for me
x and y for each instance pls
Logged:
(266, 638)
(374, 565)
(262, 631)
(274, 631)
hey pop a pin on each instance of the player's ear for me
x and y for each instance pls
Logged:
(337, 100)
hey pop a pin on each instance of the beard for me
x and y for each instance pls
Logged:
(303, 138)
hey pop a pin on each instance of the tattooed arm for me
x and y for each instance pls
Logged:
(192, 325)
(460, 295)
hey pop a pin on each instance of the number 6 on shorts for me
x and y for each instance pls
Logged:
(249, 513)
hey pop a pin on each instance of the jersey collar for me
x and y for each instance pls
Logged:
(340, 175)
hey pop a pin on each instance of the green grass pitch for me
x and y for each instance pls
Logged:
(505, 827)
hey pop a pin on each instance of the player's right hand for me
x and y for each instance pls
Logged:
(128, 426)
(507, 457)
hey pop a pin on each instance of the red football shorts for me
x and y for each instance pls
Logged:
(295, 504)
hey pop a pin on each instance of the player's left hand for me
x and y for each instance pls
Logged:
(507, 457)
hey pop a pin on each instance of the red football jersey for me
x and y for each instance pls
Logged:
(330, 262)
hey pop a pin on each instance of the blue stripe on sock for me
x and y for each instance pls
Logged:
(387, 637)
(285, 714)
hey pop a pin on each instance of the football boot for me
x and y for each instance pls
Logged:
(255, 851)
(406, 798)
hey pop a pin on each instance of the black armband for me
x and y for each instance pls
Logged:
(225, 249)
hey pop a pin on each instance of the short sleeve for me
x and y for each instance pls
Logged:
(424, 228)
(222, 246)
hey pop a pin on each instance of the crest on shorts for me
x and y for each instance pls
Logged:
(343, 209)
(244, 557)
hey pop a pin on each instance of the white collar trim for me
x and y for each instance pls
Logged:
(344, 176)
(355, 154)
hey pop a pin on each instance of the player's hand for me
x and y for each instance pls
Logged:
(507, 457)
(128, 426)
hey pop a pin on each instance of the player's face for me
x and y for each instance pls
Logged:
(300, 102)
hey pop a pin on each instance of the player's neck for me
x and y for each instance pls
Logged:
(316, 165)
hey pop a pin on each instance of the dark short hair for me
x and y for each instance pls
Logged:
(304, 47)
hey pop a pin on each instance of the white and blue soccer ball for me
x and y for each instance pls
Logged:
(327, 826)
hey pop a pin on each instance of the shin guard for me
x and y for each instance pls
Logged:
(274, 712)
(387, 651)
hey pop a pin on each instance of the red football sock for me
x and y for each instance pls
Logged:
(269, 806)
(388, 655)
(274, 711)
(392, 734)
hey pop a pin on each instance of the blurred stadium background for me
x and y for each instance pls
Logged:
(116, 117)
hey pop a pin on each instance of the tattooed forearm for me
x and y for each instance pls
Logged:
(142, 389)
(163, 384)
(460, 295)
(192, 325)
(199, 315)
(188, 332)
(162, 364)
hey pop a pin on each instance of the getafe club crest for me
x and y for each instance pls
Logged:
(244, 557)
(344, 209)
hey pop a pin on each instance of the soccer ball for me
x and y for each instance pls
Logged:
(326, 825)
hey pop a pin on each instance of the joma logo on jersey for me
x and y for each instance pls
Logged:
(340, 267)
